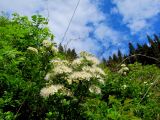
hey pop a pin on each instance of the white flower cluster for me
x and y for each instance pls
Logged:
(84, 54)
(92, 59)
(89, 58)
(50, 45)
(124, 70)
(94, 70)
(77, 62)
(33, 50)
(79, 76)
(46, 43)
(95, 89)
(48, 76)
(78, 70)
(62, 69)
(54, 49)
(58, 62)
(50, 90)
(124, 86)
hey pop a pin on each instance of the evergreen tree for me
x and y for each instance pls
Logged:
(74, 54)
(60, 48)
(119, 56)
(110, 58)
(150, 40)
(131, 49)
(115, 58)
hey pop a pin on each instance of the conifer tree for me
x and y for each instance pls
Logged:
(131, 49)
(60, 48)
(119, 56)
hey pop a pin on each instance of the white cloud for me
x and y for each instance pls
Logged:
(136, 13)
(60, 12)
(25, 7)
(110, 39)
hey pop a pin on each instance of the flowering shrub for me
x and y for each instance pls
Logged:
(84, 68)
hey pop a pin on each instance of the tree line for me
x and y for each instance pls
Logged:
(145, 54)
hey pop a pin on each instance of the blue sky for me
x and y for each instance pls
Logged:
(99, 26)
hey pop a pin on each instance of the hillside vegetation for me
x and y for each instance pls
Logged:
(39, 81)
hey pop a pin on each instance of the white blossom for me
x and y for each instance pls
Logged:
(92, 59)
(69, 81)
(124, 86)
(120, 71)
(101, 81)
(125, 68)
(46, 43)
(32, 49)
(54, 49)
(124, 73)
(48, 76)
(61, 69)
(123, 65)
(152, 83)
(50, 90)
(57, 62)
(77, 62)
(66, 91)
(94, 70)
(84, 54)
(82, 75)
(94, 89)
(145, 82)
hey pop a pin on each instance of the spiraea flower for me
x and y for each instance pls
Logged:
(48, 76)
(62, 69)
(124, 69)
(66, 91)
(84, 54)
(124, 86)
(92, 59)
(94, 70)
(57, 62)
(46, 43)
(54, 49)
(101, 81)
(123, 65)
(50, 90)
(77, 62)
(69, 81)
(33, 50)
(82, 75)
(94, 89)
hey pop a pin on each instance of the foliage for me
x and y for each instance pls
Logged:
(137, 91)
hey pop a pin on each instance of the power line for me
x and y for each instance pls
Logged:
(70, 21)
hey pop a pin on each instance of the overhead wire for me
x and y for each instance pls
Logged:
(65, 33)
